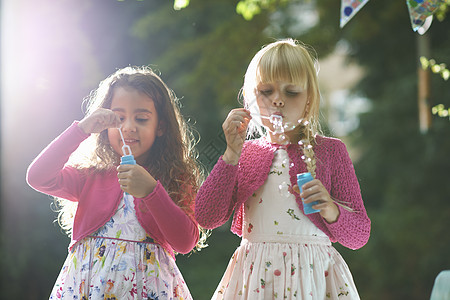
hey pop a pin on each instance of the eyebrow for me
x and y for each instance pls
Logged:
(139, 110)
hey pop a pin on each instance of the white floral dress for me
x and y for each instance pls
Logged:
(120, 261)
(283, 255)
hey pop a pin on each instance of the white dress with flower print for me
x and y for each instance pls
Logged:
(120, 261)
(283, 255)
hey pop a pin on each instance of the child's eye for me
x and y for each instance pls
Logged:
(292, 93)
(266, 92)
(141, 120)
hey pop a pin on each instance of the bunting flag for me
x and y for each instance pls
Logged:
(421, 13)
(349, 8)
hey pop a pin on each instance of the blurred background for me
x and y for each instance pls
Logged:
(53, 53)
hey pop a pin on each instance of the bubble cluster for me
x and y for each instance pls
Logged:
(277, 123)
(284, 187)
(280, 127)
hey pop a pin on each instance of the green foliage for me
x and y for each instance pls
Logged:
(180, 4)
(440, 69)
(250, 8)
(442, 10)
(441, 111)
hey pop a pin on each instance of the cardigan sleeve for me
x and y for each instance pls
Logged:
(216, 197)
(352, 229)
(48, 173)
(177, 228)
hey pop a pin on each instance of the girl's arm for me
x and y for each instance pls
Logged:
(216, 197)
(352, 228)
(47, 173)
(215, 201)
(177, 228)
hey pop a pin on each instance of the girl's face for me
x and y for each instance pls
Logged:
(140, 123)
(281, 98)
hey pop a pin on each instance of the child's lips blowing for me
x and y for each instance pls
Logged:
(278, 113)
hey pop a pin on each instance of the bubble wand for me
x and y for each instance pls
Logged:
(127, 158)
(278, 123)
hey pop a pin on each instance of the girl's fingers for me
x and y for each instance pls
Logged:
(110, 119)
(100, 120)
(315, 197)
(315, 192)
(237, 126)
(239, 114)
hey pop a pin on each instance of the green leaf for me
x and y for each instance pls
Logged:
(445, 74)
(247, 10)
(424, 62)
(180, 4)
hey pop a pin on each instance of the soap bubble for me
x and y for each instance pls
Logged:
(283, 188)
(280, 126)
(288, 126)
(277, 122)
(282, 139)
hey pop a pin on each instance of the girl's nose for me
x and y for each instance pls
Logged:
(128, 125)
(278, 102)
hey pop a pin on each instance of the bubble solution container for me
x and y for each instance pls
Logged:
(127, 160)
(303, 178)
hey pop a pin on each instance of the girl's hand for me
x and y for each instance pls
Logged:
(135, 180)
(315, 191)
(235, 130)
(99, 120)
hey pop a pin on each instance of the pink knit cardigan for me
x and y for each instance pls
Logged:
(98, 196)
(228, 187)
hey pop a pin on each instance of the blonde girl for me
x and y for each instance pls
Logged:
(284, 254)
(130, 220)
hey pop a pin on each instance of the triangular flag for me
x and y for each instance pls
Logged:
(349, 8)
(421, 13)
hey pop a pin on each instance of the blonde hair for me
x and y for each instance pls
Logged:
(284, 60)
(294, 62)
(178, 169)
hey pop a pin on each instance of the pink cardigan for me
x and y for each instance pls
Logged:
(228, 187)
(98, 196)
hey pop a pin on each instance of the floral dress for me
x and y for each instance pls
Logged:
(120, 261)
(283, 255)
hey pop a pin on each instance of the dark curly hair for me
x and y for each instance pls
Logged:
(172, 159)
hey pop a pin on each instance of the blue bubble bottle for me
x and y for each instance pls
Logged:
(127, 158)
(303, 178)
